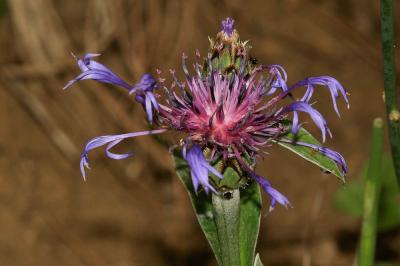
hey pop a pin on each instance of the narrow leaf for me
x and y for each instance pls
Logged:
(312, 155)
(201, 204)
(250, 213)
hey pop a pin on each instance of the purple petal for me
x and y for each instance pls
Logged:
(274, 194)
(295, 123)
(199, 168)
(147, 83)
(85, 63)
(314, 114)
(149, 110)
(99, 75)
(332, 84)
(140, 98)
(280, 81)
(144, 94)
(150, 102)
(96, 71)
(116, 156)
(213, 170)
(153, 99)
(184, 149)
(308, 94)
(111, 140)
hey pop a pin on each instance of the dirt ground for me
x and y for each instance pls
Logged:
(135, 211)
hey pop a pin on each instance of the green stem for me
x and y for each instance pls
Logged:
(389, 71)
(227, 218)
(371, 197)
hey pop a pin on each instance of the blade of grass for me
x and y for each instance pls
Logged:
(371, 197)
(389, 72)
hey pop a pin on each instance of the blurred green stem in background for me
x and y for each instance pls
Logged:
(3, 8)
(371, 197)
(389, 71)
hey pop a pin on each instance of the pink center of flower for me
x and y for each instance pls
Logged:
(220, 132)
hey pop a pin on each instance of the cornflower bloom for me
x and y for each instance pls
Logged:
(230, 109)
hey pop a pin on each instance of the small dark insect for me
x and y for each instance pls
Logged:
(227, 195)
(253, 60)
(325, 171)
(246, 185)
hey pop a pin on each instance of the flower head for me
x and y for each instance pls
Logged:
(228, 105)
(96, 71)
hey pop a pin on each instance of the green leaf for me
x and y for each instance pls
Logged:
(201, 204)
(257, 261)
(324, 162)
(250, 212)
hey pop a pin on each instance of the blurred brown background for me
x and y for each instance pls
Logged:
(135, 212)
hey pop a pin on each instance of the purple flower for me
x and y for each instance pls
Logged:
(111, 140)
(229, 114)
(235, 110)
(96, 71)
(332, 84)
(199, 168)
